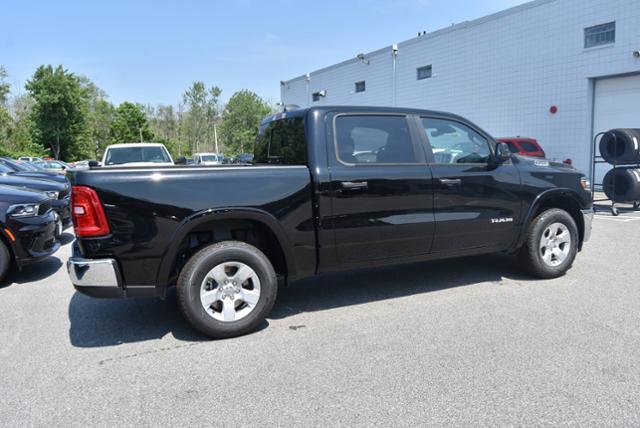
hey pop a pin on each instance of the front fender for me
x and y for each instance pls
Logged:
(210, 215)
(539, 201)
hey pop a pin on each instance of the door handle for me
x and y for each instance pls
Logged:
(450, 182)
(354, 185)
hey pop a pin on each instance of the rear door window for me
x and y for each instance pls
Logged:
(373, 139)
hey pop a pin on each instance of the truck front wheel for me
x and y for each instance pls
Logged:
(227, 289)
(551, 244)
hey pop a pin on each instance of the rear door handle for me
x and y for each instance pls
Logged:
(354, 185)
(450, 182)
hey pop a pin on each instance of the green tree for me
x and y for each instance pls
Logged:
(203, 112)
(165, 123)
(59, 111)
(19, 141)
(5, 88)
(130, 124)
(100, 115)
(240, 122)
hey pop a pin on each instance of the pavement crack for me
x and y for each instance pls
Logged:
(144, 353)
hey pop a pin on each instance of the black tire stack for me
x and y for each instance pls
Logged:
(621, 148)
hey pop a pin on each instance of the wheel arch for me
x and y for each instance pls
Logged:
(565, 199)
(265, 222)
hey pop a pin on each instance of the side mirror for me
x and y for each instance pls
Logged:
(181, 161)
(93, 163)
(503, 153)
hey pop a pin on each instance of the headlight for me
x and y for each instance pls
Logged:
(52, 195)
(23, 210)
(586, 184)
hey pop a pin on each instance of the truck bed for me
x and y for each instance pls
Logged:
(151, 209)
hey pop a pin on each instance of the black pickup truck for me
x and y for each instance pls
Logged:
(331, 188)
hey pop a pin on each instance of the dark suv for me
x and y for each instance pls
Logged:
(58, 192)
(27, 228)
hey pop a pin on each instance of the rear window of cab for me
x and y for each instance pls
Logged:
(281, 142)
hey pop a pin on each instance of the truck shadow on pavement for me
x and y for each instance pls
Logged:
(100, 322)
(330, 291)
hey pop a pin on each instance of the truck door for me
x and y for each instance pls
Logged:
(381, 187)
(476, 200)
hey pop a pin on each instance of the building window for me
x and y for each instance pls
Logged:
(598, 35)
(424, 72)
(360, 86)
(317, 95)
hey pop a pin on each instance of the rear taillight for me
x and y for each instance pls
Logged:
(87, 213)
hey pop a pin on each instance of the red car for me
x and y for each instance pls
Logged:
(524, 146)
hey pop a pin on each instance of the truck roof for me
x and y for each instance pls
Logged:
(300, 112)
(134, 145)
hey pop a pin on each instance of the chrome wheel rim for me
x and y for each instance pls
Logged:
(555, 244)
(230, 291)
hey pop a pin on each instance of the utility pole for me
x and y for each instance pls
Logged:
(140, 129)
(215, 137)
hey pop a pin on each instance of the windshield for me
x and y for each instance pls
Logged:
(210, 158)
(30, 166)
(122, 155)
(5, 169)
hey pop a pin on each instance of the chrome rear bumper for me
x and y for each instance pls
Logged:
(95, 277)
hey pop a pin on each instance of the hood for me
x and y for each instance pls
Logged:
(535, 162)
(130, 164)
(32, 183)
(14, 195)
(58, 178)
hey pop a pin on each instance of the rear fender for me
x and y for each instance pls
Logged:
(192, 222)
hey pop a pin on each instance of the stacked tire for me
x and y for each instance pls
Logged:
(621, 148)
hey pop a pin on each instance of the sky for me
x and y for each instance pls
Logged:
(150, 51)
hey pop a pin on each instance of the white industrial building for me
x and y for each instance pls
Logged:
(556, 70)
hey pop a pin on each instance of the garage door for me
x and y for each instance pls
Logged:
(616, 105)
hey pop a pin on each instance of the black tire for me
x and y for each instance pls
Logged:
(622, 184)
(530, 257)
(620, 146)
(194, 273)
(5, 260)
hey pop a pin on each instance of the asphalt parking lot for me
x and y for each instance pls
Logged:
(466, 342)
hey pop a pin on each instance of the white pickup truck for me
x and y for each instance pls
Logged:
(136, 154)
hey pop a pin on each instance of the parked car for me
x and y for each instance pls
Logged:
(27, 228)
(208, 159)
(83, 164)
(243, 158)
(30, 159)
(523, 146)
(56, 166)
(27, 169)
(58, 193)
(136, 154)
(226, 235)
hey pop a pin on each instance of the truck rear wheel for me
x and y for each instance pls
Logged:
(227, 289)
(551, 244)
(5, 260)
